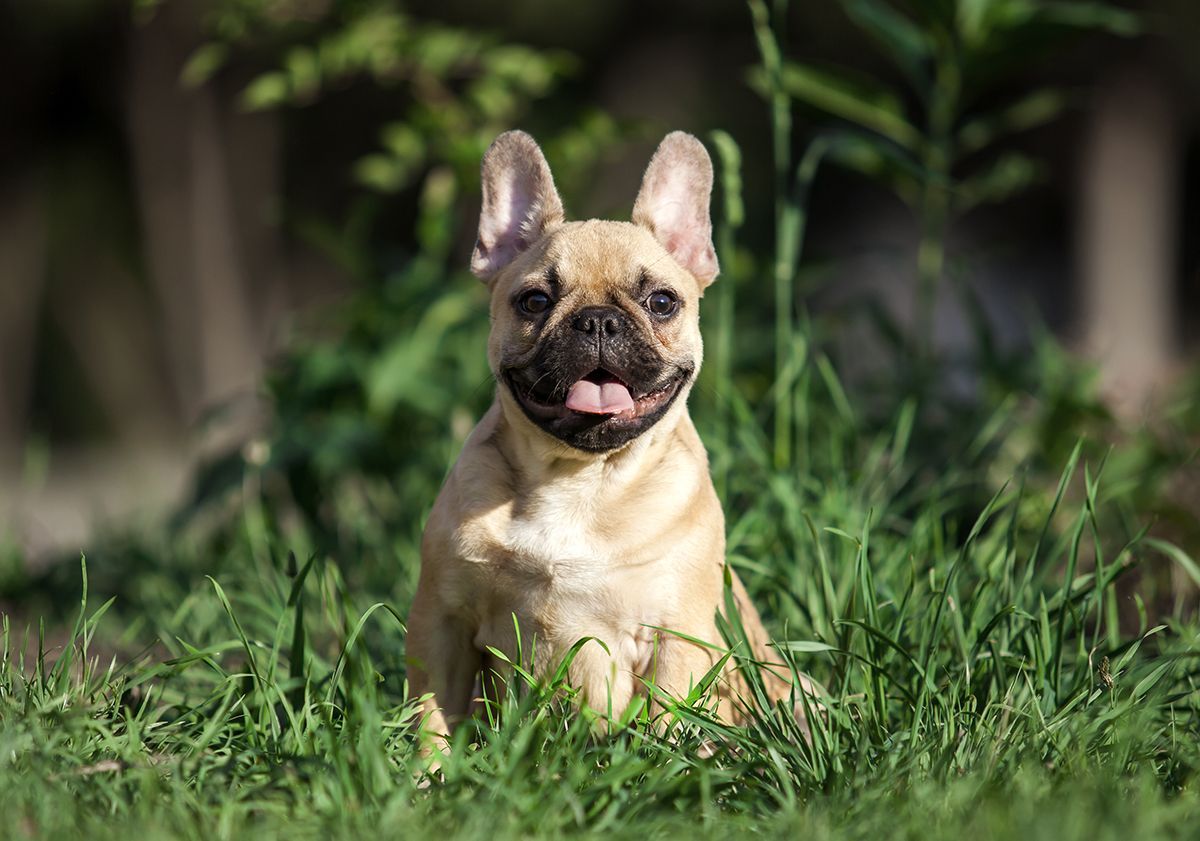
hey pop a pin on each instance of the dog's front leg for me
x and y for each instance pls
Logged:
(605, 684)
(442, 665)
(680, 665)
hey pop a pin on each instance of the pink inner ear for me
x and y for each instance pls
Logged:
(502, 236)
(685, 249)
(688, 241)
(519, 201)
(674, 203)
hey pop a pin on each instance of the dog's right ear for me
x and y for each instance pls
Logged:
(519, 202)
(673, 203)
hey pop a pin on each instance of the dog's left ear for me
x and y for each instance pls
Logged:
(673, 203)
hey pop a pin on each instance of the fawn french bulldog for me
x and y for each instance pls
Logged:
(582, 503)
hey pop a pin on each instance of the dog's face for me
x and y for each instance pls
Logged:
(595, 325)
(595, 333)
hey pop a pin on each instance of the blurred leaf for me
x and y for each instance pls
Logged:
(372, 43)
(881, 162)
(1103, 16)
(864, 103)
(404, 143)
(203, 64)
(1033, 110)
(905, 42)
(494, 98)
(382, 172)
(1028, 18)
(937, 13)
(972, 19)
(1180, 557)
(1001, 35)
(304, 72)
(531, 71)
(731, 177)
(404, 372)
(435, 222)
(576, 151)
(269, 90)
(144, 10)
(980, 21)
(439, 51)
(1009, 175)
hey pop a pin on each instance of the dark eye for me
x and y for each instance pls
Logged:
(534, 302)
(662, 303)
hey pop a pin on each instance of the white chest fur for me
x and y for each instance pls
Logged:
(550, 564)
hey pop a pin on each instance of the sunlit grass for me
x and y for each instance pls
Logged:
(974, 678)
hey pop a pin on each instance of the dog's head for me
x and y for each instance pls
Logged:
(595, 325)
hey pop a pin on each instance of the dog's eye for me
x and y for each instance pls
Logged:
(534, 302)
(662, 303)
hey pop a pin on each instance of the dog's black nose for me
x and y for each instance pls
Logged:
(592, 320)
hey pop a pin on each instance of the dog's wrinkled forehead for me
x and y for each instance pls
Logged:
(595, 260)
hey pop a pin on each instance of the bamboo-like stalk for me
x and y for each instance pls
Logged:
(791, 219)
(781, 139)
(729, 158)
(937, 158)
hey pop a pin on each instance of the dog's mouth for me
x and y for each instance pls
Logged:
(599, 393)
(599, 400)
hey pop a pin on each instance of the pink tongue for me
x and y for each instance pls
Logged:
(599, 398)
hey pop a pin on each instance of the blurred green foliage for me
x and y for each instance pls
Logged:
(934, 145)
(455, 88)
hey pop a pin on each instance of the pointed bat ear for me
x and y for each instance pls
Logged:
(673, 203)
(519, 202)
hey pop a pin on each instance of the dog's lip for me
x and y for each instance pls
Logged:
(643, 404)
(601, 375)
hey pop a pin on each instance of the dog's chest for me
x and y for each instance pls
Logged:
(563, 580)
(555, 539)
(556, 552)
(551, 568)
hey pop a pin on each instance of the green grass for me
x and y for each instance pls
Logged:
(981, 674)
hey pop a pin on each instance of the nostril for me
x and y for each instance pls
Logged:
(604, 320)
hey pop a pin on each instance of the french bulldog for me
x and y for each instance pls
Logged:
(582, 504)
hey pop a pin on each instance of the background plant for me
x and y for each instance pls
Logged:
(939, 146)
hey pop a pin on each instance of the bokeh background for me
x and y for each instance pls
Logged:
(234, 232)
